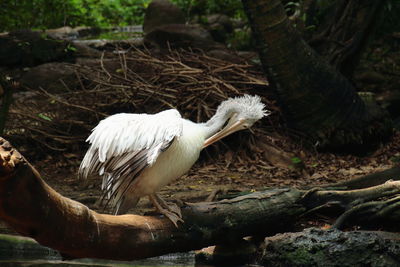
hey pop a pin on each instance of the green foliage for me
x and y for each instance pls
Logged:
(44, 117)
(296, 160)
(42, 14)
(115, 35)
(231, 8)
(45, 14)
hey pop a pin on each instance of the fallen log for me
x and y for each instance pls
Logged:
(32, 208)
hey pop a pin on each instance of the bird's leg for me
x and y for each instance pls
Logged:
(169, 205)
(169, 210)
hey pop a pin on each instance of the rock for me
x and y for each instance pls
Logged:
(102, 44)
(316, 247)
(63, 33)
(68, 33)
(237, 253)
(219, 26)
(181, 36)
(160, 13)
(84, 31)
(29, 48)
(84, 50)
(53, 77)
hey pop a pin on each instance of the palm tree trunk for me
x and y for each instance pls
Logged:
(347, 32)
(315, 99)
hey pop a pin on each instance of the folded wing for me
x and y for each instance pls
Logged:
(123, 145)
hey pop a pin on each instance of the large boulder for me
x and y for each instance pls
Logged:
(219, 26)
(160, 13)
(28, 48)
(181, 36)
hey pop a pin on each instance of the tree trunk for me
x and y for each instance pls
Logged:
(6, 92)
(344, 35)
(315, 99)
(32, 208)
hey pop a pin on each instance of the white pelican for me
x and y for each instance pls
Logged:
(137, 154)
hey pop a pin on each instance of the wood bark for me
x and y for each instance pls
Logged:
(32, 208)
(6, 91)
(315, 99)
(345, 34)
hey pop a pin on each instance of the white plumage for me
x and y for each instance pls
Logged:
(137, 154)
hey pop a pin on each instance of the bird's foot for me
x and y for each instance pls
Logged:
(169, 210)
(172, 207)
(172, 216)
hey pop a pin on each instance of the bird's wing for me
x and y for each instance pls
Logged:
(123, 145)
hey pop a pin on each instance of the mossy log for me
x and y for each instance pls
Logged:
(32, 208)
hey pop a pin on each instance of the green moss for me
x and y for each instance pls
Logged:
(116, 35)
(302, 256)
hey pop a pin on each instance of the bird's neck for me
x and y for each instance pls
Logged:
(215, 123)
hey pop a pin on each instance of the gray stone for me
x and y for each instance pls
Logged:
(181, 36)
(161, 12)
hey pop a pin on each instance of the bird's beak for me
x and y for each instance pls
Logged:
(230, 128)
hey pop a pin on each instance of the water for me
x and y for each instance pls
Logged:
(176, 259)
(22, 251)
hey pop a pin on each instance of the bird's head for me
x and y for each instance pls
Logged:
(242, 112)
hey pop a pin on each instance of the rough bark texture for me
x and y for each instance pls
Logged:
(34, 209)
(315, 99)
(345, 35)
(6, 92)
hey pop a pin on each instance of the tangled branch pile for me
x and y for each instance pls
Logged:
(135, 81)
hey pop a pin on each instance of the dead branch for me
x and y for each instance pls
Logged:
(34, 209)
(368, 180)
(135, 81)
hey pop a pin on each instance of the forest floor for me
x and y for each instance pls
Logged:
(235, 172)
